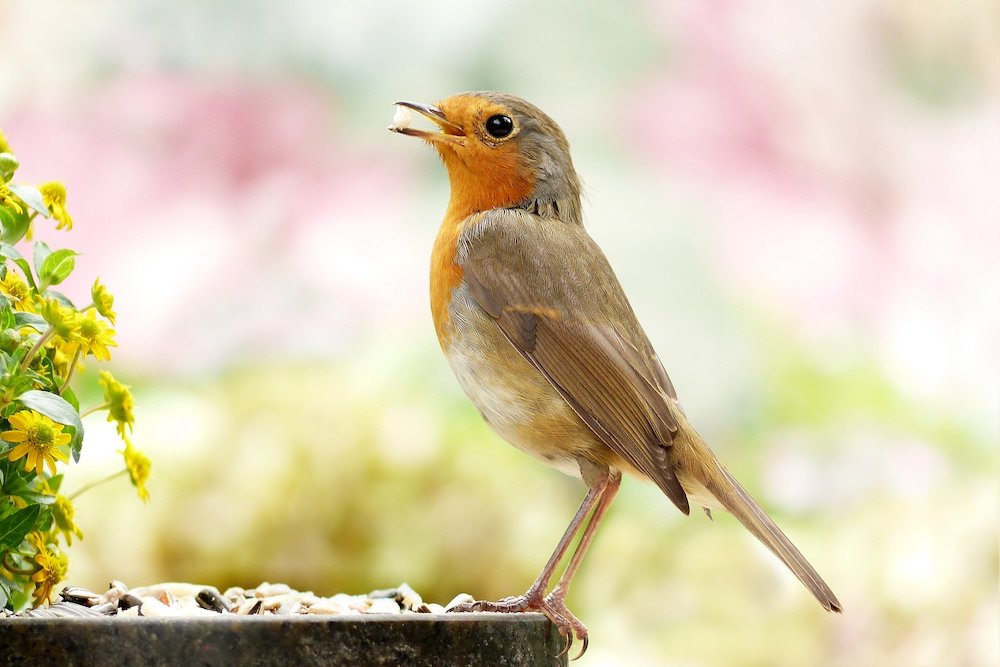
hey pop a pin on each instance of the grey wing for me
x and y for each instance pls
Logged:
(539, 286)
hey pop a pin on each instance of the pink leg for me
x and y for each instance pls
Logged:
(601, 492)
(556, 600)
(537, 589)
(609, 493)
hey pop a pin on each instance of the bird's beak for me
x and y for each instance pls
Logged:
(448, 132)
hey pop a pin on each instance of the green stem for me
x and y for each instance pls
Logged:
(90, 411)
(42, 340)
(10, 567)
(69, 373)
(88, 487)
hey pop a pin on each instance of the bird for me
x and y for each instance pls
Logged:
(544, 342)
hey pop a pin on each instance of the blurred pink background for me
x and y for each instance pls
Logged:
(802, 202)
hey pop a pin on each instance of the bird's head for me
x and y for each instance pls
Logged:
(500, 152)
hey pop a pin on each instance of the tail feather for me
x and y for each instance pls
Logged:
(735, 499)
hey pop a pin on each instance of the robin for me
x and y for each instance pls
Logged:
(542, 339)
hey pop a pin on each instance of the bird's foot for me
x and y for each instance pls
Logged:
(569, 625)
(552, 605)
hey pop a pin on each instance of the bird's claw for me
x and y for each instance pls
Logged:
(569, 625)
(552, 606)
(508, 605)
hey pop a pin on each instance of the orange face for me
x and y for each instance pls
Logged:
(478, 142)
(501, 152)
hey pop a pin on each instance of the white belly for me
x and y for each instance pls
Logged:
(529, 414)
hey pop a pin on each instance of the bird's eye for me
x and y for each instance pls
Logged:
(499, 126)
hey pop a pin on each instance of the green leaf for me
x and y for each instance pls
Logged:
(57, 409)
(4, 594)
(13, 528)
(18, 599)
(14, 225)
(36, 497)
(18, 483)
(30, 195)
(7, 319)
(58, 266)
(60, 297)
(41, 252)
(45, 520)
(36, 322)
(11, 253)
(55, 482)
(71, 398)
(13, 361)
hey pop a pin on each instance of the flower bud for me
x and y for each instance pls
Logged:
(8, 165)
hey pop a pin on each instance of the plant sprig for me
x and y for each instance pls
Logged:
(44, 340)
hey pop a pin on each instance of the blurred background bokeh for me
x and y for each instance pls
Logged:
(801, 199)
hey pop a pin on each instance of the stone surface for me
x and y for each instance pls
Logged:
(416, 640)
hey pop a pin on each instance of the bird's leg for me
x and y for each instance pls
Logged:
(533, 598)
(556, 600)
(602, 489)
(613, 483)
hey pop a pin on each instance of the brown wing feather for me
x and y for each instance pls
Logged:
(576, 327)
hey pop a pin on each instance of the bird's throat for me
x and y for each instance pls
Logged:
(484, 181)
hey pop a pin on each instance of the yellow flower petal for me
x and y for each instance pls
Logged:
(18, 452)
(20, 420)
(40, 441)
(54, 196)
(138, 466)
(32, 459)
(104, 301)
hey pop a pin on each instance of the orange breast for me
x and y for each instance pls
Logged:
(484, 180)
(446, 275)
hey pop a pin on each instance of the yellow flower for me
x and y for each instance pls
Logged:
(54, 196)
(52, 566)
(63, 513)
(103, 300)
(17, 291)
(8, 199)
(94, 336)
(63, 354)
(4, 146)
(118, 398)
(64, 321)
(37, 438)
(138, 465)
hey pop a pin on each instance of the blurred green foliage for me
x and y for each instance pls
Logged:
(367, 472)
